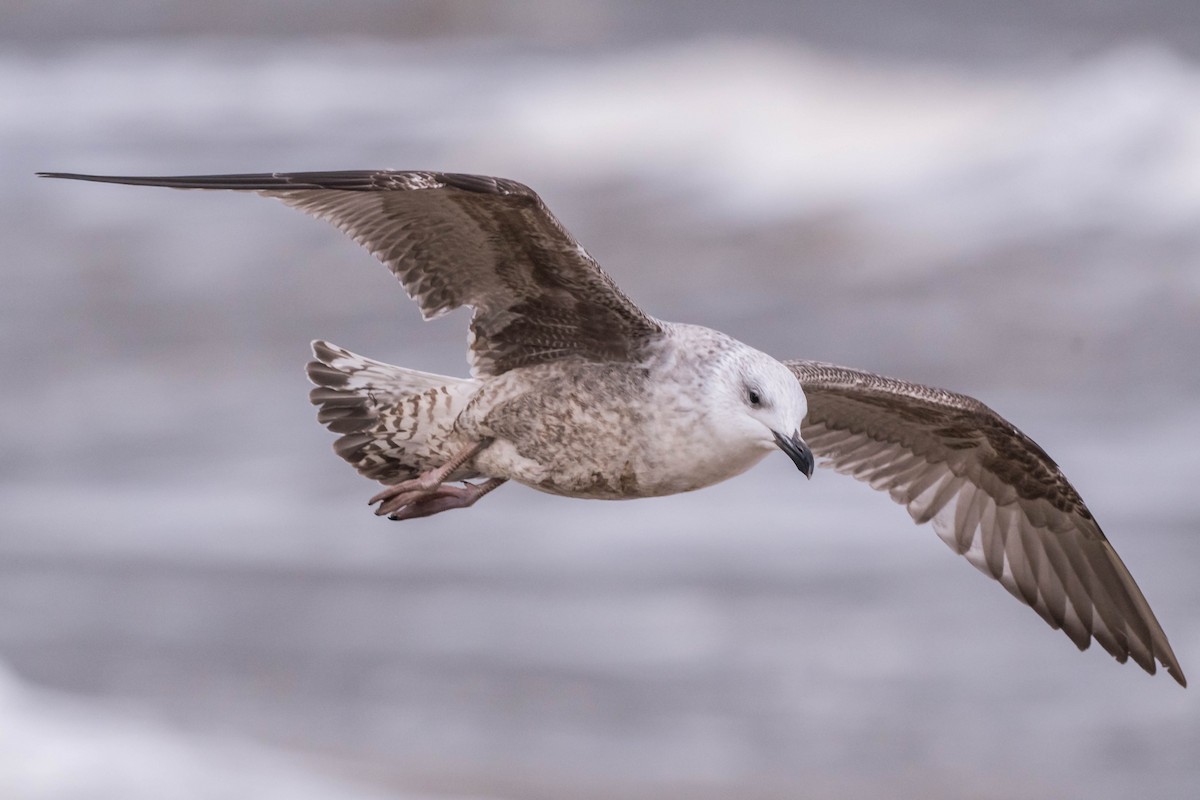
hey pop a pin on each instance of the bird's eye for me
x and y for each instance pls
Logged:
(753, 397)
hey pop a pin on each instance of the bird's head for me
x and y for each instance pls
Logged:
(770, 405)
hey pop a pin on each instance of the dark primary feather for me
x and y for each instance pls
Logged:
(992, 494)
(464, 240)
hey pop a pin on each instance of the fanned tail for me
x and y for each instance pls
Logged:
(394, 422)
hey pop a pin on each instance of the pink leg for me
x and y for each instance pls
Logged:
(444, 498)
(428, 493)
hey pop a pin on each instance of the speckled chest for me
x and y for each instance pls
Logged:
(603, 430)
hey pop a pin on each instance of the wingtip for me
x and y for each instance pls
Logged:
(1175, 672)
(78, 176)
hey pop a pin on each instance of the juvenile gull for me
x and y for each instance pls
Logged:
(576, 391)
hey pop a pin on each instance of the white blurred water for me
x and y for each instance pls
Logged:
(177, 537)
(58, 748)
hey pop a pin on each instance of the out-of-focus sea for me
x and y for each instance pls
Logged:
(195, 601)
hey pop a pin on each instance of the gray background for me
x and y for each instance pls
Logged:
(195, 601)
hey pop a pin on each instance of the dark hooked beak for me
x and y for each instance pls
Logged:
(797, 451)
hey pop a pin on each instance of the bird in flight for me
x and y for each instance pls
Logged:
(578, 392)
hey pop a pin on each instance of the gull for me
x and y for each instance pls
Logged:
(576, 391)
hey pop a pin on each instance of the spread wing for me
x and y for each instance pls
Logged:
(465, 240)
(993, 495)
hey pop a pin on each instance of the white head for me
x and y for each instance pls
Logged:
(767, 404)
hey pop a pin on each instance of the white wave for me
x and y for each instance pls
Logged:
(765, 131)
(53, 747)
(760, 129)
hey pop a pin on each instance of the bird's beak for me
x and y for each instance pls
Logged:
(797, 451)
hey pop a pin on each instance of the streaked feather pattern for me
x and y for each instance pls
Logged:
(993, 496)
(453, 240)
(464, 240)
(394, 422)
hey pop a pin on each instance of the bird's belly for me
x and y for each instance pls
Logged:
(617, 469)
(603, 431)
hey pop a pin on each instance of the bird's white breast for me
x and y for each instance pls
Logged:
(612, 430)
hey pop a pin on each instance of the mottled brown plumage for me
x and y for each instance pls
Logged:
(992, 494)
(466, 240)
(579, 392)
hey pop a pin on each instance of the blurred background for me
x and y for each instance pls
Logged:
(195, 601)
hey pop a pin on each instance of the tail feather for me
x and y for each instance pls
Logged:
(337, 368)
(394, 422)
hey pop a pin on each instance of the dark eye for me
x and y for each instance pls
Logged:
(753, 397)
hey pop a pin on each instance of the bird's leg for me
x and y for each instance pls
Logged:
(429, 489)
(446, 497)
